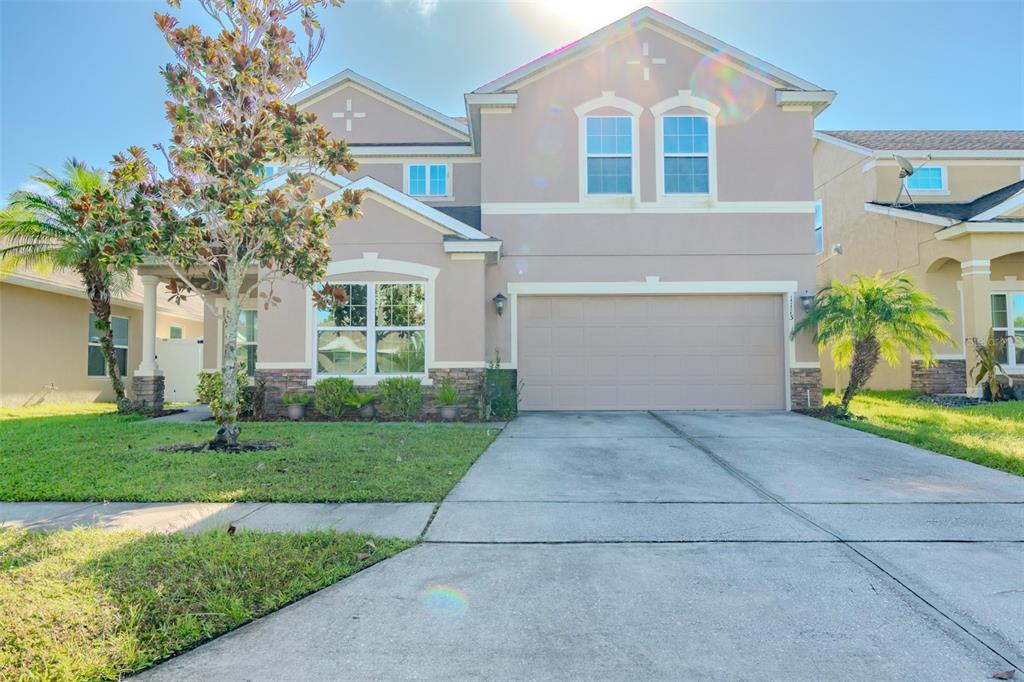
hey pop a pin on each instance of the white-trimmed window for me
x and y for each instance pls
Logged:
(175, 332)
(97, 364)
(928, 179)
(428, 179)
(819, 228)
(1008, 323)
(609, 141)
(685, 147)
(245, 343)
(379, 331)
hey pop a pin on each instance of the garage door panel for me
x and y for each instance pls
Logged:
(651, 352)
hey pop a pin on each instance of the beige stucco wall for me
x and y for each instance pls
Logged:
(872, 242)
(383, 122)
(464, 178)
(532, 153)
(284, 334)
(966, 179)
(44, 342)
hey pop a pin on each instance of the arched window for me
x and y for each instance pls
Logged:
(609, 163)
(685, 139)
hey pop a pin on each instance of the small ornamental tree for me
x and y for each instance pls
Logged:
(873, 317)
(214, 219)
(74, 224)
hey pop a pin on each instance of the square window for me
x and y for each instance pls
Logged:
(609, 175)
(341, 352)
(400, 352)
(686, 175)
(175, 333)
(400, 305)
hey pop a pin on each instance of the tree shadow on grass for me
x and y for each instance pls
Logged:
(97, 604)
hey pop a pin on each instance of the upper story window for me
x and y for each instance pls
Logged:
(428, 180)
(685, 146)
(928, 179)
(819, 228)
(609, 155)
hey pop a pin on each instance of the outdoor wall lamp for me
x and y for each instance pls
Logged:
(499, 302)
(806, 299)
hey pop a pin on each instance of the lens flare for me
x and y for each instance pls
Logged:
(444, 601)
(718, 80)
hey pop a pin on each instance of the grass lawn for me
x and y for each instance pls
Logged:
(110, 457)
(991, 435)
(94, 604)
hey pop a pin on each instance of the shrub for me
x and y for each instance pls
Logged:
(211, 389)
(358, 400)
(295, 399)
(446, 393)
(502, 393)
(331, 396)
(400, 396)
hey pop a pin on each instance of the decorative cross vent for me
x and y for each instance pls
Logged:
(348, 115)
(647, 61)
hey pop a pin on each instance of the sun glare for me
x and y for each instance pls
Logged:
(581, 16)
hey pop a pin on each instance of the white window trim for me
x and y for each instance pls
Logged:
(1011, 365)
(819, 209)
(251, 371)
(371, 329)
(449, 194)
(943, 191)
(89, 344)
(630, 109)
(685, 98)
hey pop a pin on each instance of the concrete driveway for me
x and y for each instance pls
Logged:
(622, 546)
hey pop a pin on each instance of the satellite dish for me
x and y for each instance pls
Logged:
(906, 170)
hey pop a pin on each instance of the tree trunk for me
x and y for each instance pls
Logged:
(99, 299)
(227, 421)
(865, 357)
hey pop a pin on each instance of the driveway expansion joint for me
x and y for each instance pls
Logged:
(743, 478)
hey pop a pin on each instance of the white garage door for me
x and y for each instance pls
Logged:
(651, 352)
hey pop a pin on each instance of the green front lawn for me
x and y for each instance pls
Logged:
(110, 457)
(97, 605)
(991, 435)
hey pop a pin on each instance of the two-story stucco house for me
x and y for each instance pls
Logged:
(626, 221)
(959, 234)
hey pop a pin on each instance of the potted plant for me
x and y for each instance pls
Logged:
(362, 403)
(295, 403)
(448, 398)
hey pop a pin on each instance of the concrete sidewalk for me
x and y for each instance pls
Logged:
(398, 520)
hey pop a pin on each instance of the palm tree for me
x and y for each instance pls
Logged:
(871, 317)
(51, 228)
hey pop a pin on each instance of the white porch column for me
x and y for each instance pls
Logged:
(977, 301)
(148, 366)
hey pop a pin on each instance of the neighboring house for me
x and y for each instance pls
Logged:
(626, 221)
(961, 238)
(48, 349)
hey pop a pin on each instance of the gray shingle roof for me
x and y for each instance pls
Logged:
(966, 211)
(929, 140)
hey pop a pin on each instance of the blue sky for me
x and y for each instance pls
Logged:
(80, 77)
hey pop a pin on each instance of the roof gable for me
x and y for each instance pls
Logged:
(648, 17)
(366, 112)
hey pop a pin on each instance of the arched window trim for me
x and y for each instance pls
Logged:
(608, 99)
(687, 99)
